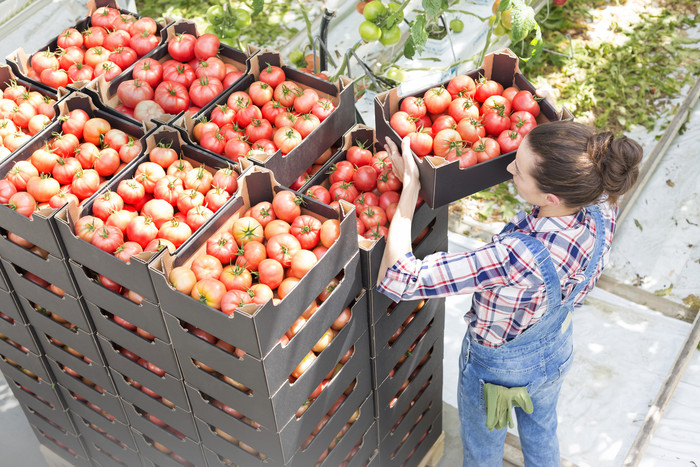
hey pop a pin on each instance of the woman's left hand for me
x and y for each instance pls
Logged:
(403, 165)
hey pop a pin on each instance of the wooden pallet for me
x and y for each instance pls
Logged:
(433, 456)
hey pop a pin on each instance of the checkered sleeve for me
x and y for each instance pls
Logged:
(442, 274)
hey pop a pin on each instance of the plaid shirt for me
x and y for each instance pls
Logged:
(509, 291)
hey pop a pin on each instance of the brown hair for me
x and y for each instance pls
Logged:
(579, 165)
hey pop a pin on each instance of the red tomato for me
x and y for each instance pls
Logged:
(197, 216)
(131, 191)
(365, 177)
(358, 155)
(143, 42)
(181, 47)
(305, 102)
(470, 130)
(253, 253)
(487, 148)
(306, 229)
(23, 203)
(286, 139)
(209, 292)
(149, 70)
(402, 123)
(107, 203)
(421, 144)
(388, 181)
(495, 122)
(270, 272)
(272, 75)
(445, 140)
(522, 122)
(175, 231)
(247, 229)
(302, 262)
(236, 278)
(108, 238)
(85, 183)
(181, 73)
(342, 171)
(282, 247)
(172, 97)
(141, 230)
(320, 193)
(323, 108)
(463, 107)
(509, 140)
(413, 106)
(212, 67)
(461, 86)
(204, 90)
(437, 100)
(286, 205)
(372, 216)
(133, 91)
(487, 88)
(524, 100)
(286, 93)
(206, 45)
(330, 232)
(496, 103)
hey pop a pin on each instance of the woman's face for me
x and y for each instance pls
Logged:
(522, 169)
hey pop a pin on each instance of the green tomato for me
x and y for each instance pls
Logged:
(211, 29)
(391, 36)
(456, 25)
(243, 18)
(369, 31)
(500, 29)
(228, 40)
(396, 74)
(214, 13)
(394, 7)
(297, 57)
(374, 10)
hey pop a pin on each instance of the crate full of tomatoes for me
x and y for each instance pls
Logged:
(70, 160)
(185, 73)
(25, 109)
(277, 116)
(169, 191)
(104, 43)
(465, 131)
(360, 173)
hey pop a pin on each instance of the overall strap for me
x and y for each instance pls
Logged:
(597, 252)
(546, 267)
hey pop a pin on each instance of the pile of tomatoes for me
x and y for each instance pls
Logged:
(191, 78)
(23, 113)
(71, 166)
(468, 121)
(273, 114)
(112, 43)
(272, 241)
(161, 205)
(367, 181)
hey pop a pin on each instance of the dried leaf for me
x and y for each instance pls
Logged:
(639, 226)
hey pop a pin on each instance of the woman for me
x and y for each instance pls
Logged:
(526, 282)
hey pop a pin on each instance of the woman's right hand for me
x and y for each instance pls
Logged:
(403, 165)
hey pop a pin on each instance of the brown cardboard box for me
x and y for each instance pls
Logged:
(443, 182)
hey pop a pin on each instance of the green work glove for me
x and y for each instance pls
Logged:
(499, 400)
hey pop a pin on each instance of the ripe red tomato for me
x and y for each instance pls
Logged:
(323, 108)
(209, 292)
(461, 86)
(143, 42)
(365, 178)
(524, 100)
(305, 102)
(133, 91)
(286, 139)
(470, 130)
(522, 122)
(108, 238)
(286, 93)
(175, 231)
(142, 230)
(85, 183)
(172, 97)
(206, 45)
(204, 90)
(107, 203)
(402, 123)
(307, 230)
(437, 100)
(330, 232)
(495, 122)
(487, 148)
(414, 106)
(272, 75)
(387, 181)
(444, 141)
(149, 70)
(320, 193)
(23, 203)
(181, 47)
(509, 140)
(496, 103)
(487, 88)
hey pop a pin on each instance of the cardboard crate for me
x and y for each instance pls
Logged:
(273, 411)
(180, 418)
(134, 275)
(256, 334)
(372, 252)
(266, 375)
(111, 417)
(387, 355)
(288, 168)
(43, 391)
(171, 387)
(30, 294)
(217, 449)
(99, 396)
(159, 352)
(426, 402)
(443, 182)
(105, 92)
(34, 366)
(76, 457)
(39, 228)
(10, 308)
(151, 456)
(419, 442)
(391, 404)
(145, 315)
(103, 451)
(51, 268)
(15, 334)
(282, 444)
(19, 60)
(34, 407)
(62, 427)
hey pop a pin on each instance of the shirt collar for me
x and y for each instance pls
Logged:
(530, 222)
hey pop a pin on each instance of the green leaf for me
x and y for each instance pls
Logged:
(523, 21)
(408, 49)
(639, 226)
(432, 7)
(257, 7)
(419, 35)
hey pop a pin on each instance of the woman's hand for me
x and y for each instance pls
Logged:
(403, 165)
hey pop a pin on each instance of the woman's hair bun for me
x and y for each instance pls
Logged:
(616, 160)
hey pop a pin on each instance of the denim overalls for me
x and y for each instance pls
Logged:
(537, 359)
